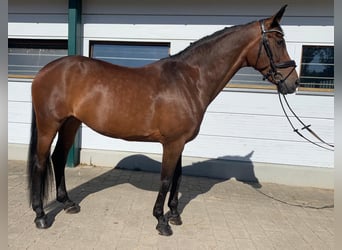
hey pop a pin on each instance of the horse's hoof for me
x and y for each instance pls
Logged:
(175, 220)
(42, 222)
(72, 208)
(164, 230)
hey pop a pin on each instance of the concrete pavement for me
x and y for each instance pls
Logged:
(116, 213)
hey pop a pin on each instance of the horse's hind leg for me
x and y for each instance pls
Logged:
(66, 135)
(39, 168)
(41, 172)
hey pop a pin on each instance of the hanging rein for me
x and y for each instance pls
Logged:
(278, 79)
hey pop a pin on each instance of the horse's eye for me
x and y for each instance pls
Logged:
(280, 42)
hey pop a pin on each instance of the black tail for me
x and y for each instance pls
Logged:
(34, 175)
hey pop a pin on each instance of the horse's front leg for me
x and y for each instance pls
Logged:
(163, 226)
(174, 217)
(171, 155)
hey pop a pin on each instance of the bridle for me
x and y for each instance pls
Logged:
(273, 73)
(278, 79)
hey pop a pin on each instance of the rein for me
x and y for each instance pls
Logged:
(327, 146)
(279, 79)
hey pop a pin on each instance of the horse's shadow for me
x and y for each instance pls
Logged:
(224, 168)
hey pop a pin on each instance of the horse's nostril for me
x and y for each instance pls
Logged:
(297, 82)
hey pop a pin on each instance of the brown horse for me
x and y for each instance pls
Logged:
(161, 102)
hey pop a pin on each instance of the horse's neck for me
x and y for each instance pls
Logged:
(222, 58)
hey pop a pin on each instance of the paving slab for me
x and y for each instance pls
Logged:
(116, 213)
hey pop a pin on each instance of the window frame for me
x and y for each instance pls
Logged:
(133, 43)
(310, 90)
(33, 43)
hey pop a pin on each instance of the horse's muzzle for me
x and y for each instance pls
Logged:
(286, 87)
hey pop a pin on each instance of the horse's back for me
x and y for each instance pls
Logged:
(76, 76)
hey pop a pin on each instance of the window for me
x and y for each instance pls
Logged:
(250, 78)
(317, 68)
(27, 56)
(316, 74)
(135, 54)
(131, 54)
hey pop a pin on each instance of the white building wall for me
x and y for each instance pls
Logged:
(38, 19)
(237, 123)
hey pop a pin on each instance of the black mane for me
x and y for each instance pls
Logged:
(204, 40)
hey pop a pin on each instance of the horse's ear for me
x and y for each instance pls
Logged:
(248, 156)
(277, 17)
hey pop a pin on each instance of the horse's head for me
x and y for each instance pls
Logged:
(269, 56)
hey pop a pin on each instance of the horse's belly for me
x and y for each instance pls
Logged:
(126, 127)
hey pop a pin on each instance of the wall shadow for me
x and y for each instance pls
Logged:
(218, 170)
(239, 167)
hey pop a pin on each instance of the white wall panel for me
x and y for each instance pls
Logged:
(260, 127)
(149, 31)
(312, 8)
(281, 152)
(308, 34)
(19, 112)
(38, 30)
(19, 133)
(38, 19)
(19, 91)
(236, 123)
(239, 129)
(38, 6)
(230, 148)
(93, 140)
(268, 104)
(302, 34)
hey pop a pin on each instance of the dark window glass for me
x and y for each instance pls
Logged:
(27, 56)
(317, 67)
(129, 54)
